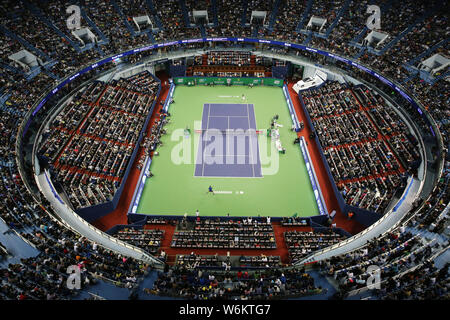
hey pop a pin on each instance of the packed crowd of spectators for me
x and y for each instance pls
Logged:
(192, 261)
(90, 143)
(424, 283)
(259, 5)
(432, 215)
(147, 239)
(260, 261)
(230, 64)
(44, 277)
(367, 145)
(288, 18)
(153, 140)
(232, 234)
(329, 100)
(227, 262)
(111, 24)
(373, 194)
(198, 284)
(325, 10)
(301, 244)
(200, 5)
(20, 211)
(230, 19)
(229, 58)
(49, 46)
(386, 257)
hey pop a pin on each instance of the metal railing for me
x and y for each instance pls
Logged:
(144, 255)
(309, 258)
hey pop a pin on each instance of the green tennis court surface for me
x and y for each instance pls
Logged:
(283, 190)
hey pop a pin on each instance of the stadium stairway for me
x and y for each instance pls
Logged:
(341, 12)
(441, 76)
(11, 68)
(169, 230)
(364, 30)
(10, 110)
(304, 16)
(184, 12)
(244, 12)
(100, 51)
(409, 78)
(308, 38)
(255, 32)
(340, 219)
(429, 235)
(34, 71)
(214, 12)
(104, 39)
(360, 53)
(274, 13)
(150, 36)
(442, 259)
(124, 18)
(202, 30)
(428, 52)
(328, 287)
(51, 75)
(119, 215)
(24, 42)
(38, 13)
(15, 245)
(359, 37)
(406, 31)
(151, 6)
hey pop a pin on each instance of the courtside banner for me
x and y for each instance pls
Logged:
(313, 178)
(142, 178)
(200, 80)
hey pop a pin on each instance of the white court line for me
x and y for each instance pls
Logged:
(250, 143)
(229, 192)
(227, 155)
(228, 116)
(226, 141)
(203, 151)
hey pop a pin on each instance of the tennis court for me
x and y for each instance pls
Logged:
(228, 144)
(254, 182)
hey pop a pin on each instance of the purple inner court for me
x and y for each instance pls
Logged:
(228, 145)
